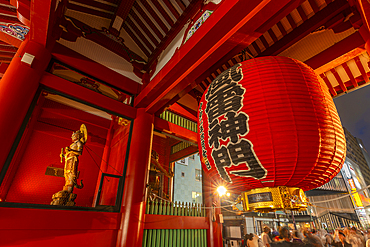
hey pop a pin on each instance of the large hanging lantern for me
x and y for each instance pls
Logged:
(268, 128)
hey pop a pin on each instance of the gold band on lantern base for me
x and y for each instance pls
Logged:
(274, 198)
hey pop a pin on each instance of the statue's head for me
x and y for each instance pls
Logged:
(77, 135)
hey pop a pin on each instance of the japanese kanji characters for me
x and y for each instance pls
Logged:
(226, 122)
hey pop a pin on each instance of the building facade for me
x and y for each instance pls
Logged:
(188, 180)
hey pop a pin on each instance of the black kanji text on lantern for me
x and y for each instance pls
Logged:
(227, 122)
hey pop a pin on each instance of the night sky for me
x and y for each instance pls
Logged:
(354, 112)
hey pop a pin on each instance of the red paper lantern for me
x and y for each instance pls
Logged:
(269, 122)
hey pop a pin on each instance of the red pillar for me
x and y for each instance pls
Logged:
(17, 89)
(133, 206)
(211, 197)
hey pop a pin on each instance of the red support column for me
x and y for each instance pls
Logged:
(133, 206)
(211, 198)
(17, 89)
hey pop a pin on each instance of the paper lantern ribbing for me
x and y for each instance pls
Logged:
(270, 122)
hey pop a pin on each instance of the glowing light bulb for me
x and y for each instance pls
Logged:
(221, 190)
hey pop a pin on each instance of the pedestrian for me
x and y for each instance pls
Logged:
(311, 239)
(252, 240)
(342, 240)
(286, 239)
(296, 237)
(266, 240)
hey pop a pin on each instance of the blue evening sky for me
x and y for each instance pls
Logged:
(354, 112)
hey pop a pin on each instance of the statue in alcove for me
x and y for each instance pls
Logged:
(66, 196)
(156, 176)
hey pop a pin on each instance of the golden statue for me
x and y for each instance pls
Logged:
(66, 196)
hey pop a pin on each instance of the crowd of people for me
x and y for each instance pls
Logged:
(346, 237)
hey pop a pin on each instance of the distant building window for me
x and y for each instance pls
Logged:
(198, 175)
(196, 197)
(183, 162)
(182, 174)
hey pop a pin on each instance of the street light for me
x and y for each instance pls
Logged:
(221, 190)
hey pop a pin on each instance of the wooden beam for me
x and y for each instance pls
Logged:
(336, 54)
(350, 75)
(188, 14)
(361, 68)
(175, 130)
(307, 27)
(120, 16)
(328, 84)
(94, 69)
(42, 18)
(154, 221)
(226, 28)
(339, 80)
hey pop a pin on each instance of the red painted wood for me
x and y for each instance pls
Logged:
(256, 47)
(47, 227)
(8, 11)
(339, 80)
(153, 221)
(314, 6)
(79, 92)
(98, 5)
(361, 68)
(3, 68)
(14, 86)
(328, 84)
(146, 17)
(143, 27)
(94, 69)
(23, 11)
(183, 111)
(183, 153)
(302, 14)
(5, 54)
(8, 48)
(350, 75)
(291, 21)
(232, 48)
(154, 15)
(8, 39)
(181, 4)
(122, 11)
(90, 11)
(42, 14)
(133, 206)
(188, 61)
(272, 35)
(307, 27)
(59, 238)
(342, 47)
(140, 35)
(188, 14)
(163, 13)
(173, 129)
(264, 41)
(172, 9)
(137, 41)
(281, 28)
